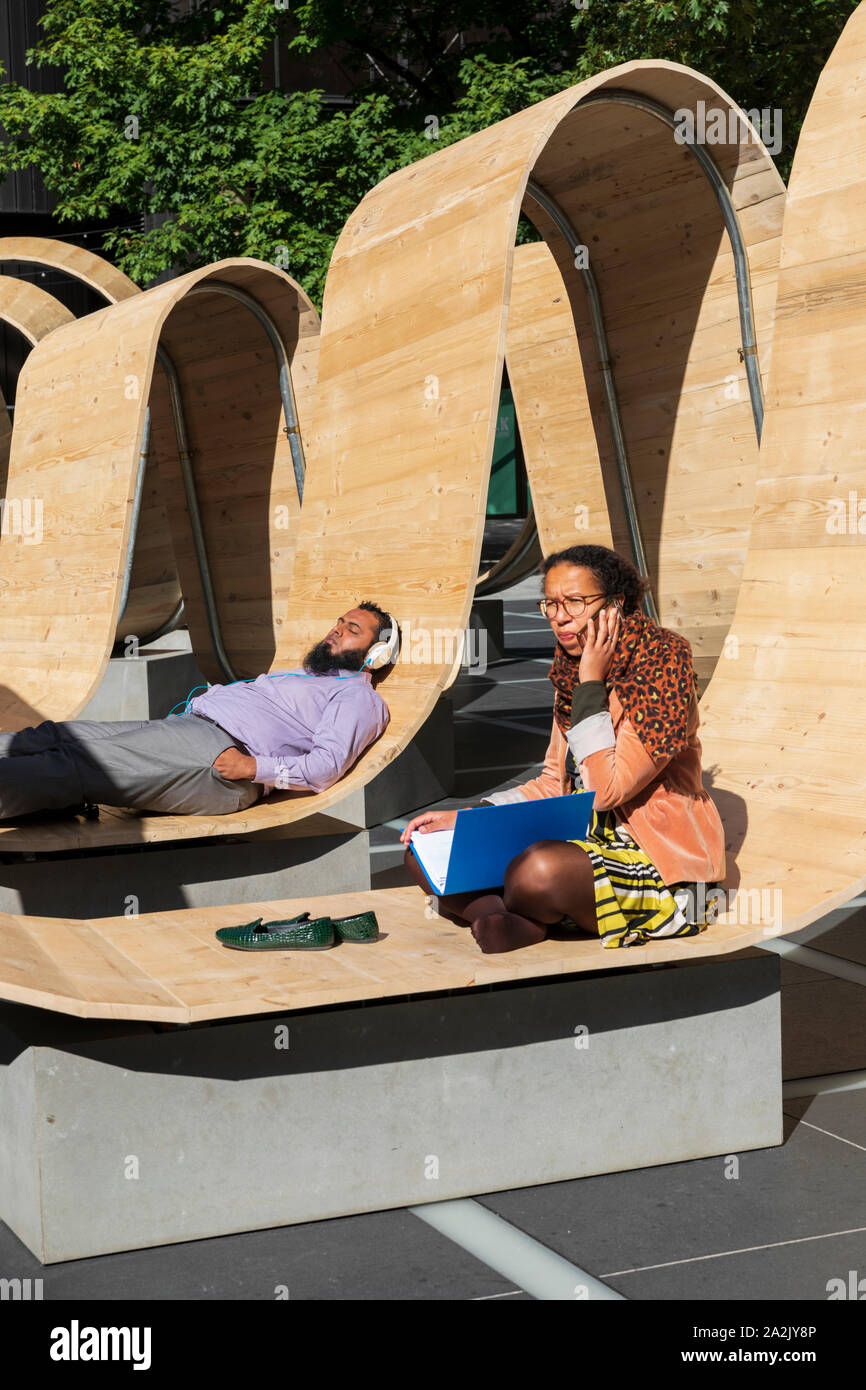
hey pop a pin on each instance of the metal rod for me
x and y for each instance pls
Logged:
(813, 959)
(564, 225)
(732, 226)
(171, 622)
(291, 429)
(136, 513)
(190, 491)
(194, 513)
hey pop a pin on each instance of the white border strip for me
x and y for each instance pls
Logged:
(743, 1250)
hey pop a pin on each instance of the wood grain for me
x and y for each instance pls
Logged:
(31, 311)
(414, 330)
(400, 446)
(76, 261)
(663, 264)
(154, 590)
(169, 967)
(781, 715)
(552, 406)
(75, 450)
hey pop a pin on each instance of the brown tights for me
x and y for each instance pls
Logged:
(550, 880)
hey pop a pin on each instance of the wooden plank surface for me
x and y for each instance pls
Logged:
(169, 967)
(154, 590)
(75, 451)
(663, 265)
(241, 458)
(552, 415)
(76, 261)
(552, 406)
(405, 409)
(406, 404)
(31, 311)
(780, 719)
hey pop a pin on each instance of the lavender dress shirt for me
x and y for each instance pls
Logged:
(303, 731)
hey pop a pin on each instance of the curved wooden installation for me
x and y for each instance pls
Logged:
(154, 590)
(555, 422)
(33, 314)
(781, 715)
(75, 261)
(552, 406)
(29, 310)
(61, 596)
(784, 777)
(407, 400)
(664, 269)
(168, 966)
(400, 449)
(245, 480)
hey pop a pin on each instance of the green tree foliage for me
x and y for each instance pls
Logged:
(166, 113)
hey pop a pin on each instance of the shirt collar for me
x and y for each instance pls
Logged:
(364, 675)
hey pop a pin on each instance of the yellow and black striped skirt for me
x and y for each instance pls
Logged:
(633, 905)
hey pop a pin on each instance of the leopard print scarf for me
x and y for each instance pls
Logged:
(653, 675)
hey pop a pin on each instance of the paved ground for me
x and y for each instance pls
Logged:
(794, 1219)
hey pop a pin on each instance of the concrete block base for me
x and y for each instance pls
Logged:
(146, 683)
(207, 873)
(115, 1137)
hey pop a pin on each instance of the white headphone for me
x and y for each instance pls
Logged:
(385, 652)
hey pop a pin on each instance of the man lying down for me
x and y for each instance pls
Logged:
(296, 730)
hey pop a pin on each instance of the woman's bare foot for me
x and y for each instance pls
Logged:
(505, 931)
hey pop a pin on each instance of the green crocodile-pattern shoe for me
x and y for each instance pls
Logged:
(294, 933)
(363, 927)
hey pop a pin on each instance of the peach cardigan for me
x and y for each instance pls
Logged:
(664, 806)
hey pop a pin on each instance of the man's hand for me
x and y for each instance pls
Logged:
(235, 765)
(600, 644)
(429, 820)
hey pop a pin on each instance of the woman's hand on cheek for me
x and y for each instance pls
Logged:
(601, 635)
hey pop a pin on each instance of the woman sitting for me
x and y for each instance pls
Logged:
(625, 726)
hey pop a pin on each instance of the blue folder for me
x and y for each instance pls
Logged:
(485, 839)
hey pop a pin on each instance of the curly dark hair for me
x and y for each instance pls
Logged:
(384, 620)
(612, 573)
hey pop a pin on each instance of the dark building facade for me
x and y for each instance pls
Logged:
(27, 207)
(24, 194)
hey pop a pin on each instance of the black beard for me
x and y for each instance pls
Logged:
(321, 661)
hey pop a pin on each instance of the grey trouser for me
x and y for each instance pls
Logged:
(146, 764)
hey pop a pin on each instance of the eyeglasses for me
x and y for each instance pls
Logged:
(571, 607)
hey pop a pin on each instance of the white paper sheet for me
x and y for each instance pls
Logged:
(434, 850)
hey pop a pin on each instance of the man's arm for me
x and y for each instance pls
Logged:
(346, 728)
